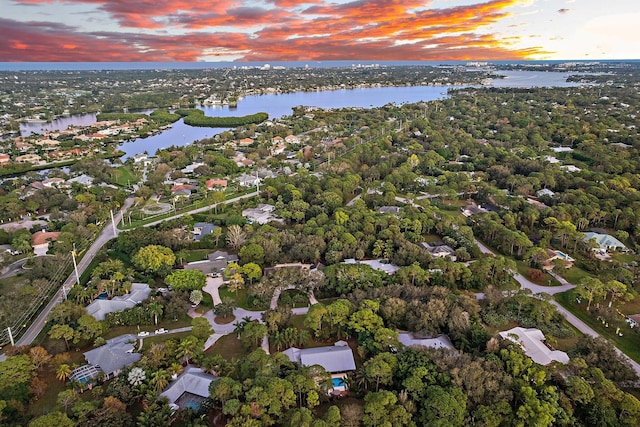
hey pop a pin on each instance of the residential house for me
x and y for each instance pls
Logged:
(29, 158)
(261, 214)
(545, 192)
(439, 251)
(84, 179)
(245, 142)
(101, 307)
(605, 242)
(116, 354)
(40, 241)
(532, 342)
(216, 184)
(292, 139)
(336, 359)
(552, 256)
(216, 261)
(201, 229)
(189, 389)
(54, 183)
(376, 264)
(188, 170)
(473, 210)
(248, 180)
(4, 159)
(277, 149)
(182, 190)
(395, 210)
(441, 341)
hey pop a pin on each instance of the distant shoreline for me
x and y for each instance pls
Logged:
(91, 66)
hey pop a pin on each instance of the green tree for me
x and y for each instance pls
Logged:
(156, 309)
(154, 259)
(381, 409)
(64, 332)
(590, 288)
(252, 271)
(186, 280)
(252, 253)
(16, 370)
(201, 328)
(56, 419)
(252, 334)
(379, 369)
(196, 296)
(63, 372)
(188, 348)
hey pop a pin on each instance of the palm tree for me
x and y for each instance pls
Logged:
(187, 348)
(159, 380)
(63, 372)
(303, 337)
(156, 310)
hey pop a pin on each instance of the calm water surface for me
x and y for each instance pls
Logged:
(281, 105)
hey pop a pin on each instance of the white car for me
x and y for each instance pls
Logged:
(143, 334)
(161, 331)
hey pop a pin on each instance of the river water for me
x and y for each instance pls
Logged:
(281, 105)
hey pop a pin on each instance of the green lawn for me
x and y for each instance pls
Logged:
(240, 297)
(548, 280)
(574, 274)
(124, 176)
(229, 347)
(192, 255)
(629, 343)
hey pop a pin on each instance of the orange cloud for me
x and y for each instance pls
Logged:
(280, 30)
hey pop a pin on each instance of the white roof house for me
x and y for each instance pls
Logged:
(101, 307)
(376, 264)
(532, 342)
(334, 358)
(605, 241)
(191, 387)
(261, 214)
(441, 341)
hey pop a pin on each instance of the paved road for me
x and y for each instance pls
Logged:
(106, 235)
(552, 290)
(202, 209)
(14, 268)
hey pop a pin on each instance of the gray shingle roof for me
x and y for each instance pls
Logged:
(332, 358)
(114, 355)
(192, 380)
(101, 307)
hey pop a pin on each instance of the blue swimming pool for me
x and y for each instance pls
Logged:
(337, 382)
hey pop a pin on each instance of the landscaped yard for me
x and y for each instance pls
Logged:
(240, 297)
(124, 176)
(148, 341)
(629, 343)
(574, 274)
(229, 347)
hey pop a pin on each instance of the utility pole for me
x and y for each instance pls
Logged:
(11, 336)
(113, 223)
(75, 267)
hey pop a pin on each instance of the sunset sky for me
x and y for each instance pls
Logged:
(290, 30)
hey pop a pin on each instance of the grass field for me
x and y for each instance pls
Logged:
(629, 343)
(124, 176)
(229, 347)
(574, 274)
